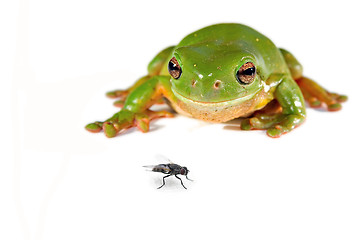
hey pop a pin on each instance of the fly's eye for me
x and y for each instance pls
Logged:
(183, 172)
(246, 73)
(174, 68)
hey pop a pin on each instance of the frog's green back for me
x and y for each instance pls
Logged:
(239, 37)
(223, 32)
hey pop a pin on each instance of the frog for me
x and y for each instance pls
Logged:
(216, 74)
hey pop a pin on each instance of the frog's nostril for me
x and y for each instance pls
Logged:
(193, 83)
(217, 84)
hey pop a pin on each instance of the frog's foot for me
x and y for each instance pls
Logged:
(315, 95)
(126, 119)
(275, 124)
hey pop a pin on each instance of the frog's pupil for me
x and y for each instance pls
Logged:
(246, 73)
(249, 71)
(174, 68)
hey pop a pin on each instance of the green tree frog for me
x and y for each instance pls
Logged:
(219, 73)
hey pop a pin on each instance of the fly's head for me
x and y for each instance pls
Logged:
(184, 171)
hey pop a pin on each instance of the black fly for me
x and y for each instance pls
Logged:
(171, 169)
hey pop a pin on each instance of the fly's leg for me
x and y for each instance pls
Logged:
(181, 181)
(154, 68)
(188, 178)
(163, 181)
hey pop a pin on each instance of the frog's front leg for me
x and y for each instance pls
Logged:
(135, 111)
(154, 68)
(292, 114)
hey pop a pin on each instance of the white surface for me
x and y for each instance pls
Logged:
(58, 181)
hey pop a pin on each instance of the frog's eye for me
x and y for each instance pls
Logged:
(246, 73)
(174, 68)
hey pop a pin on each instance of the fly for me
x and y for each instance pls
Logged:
(171, 169)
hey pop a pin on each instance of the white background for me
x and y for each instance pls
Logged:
(57, 181)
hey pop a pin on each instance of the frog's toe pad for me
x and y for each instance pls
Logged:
(119, 103)
(94, 127)
(342, 98)
(275, 131)
(334, 107)
(246, 125)
(315, 103)
(110, 129)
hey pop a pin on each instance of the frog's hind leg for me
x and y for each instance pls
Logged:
(154, 68)
(313, 93)
(121, 95)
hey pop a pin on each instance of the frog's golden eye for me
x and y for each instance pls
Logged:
(246, 73)
(174, 68)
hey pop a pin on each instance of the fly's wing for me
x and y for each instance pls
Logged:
(163, 168)
(149, 167)
(162, 158)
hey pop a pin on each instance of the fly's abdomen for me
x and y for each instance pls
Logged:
(163, 168)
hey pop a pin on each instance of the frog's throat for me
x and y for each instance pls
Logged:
(220, 111)
(232, 102)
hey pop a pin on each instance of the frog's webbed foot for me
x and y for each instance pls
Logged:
(272, 119)
(315, 95)
(281, 115)
(275, 124)
(126, 119)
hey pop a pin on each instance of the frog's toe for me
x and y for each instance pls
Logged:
(339, 98)
(119, 103)
(94, 127)
(314, 103)
(260, 121)
(275, 131)
(257, 123)
(110, 129)
(245, 124)
(334, 107)
(160, 114)
(342, 98)
(142, 121)
(117, 94)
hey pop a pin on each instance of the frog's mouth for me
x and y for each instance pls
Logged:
(226, 103)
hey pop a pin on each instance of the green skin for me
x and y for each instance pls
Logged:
(208, 89)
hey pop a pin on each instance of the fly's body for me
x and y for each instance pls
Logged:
(171, 169)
